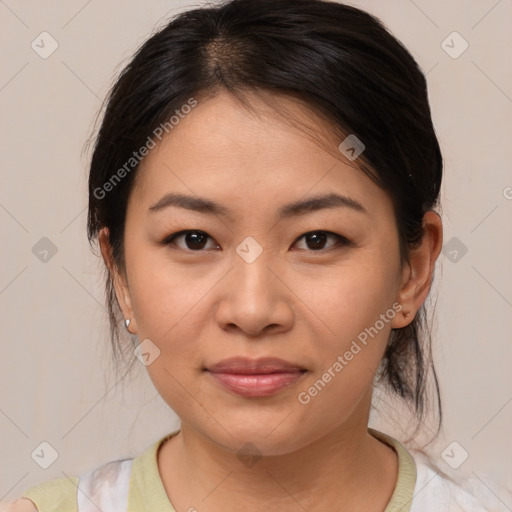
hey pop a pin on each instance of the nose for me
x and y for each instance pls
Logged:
(254, 299)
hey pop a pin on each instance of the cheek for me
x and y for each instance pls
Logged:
(352, 296)
(355, 305)
(173, 307)
(357, 308)
(165, 302)
(170, 307)
(162, 292)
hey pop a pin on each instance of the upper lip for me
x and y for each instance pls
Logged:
(244, 365)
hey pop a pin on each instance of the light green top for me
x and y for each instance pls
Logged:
(147, 493)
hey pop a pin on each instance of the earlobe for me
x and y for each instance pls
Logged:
(403, 318)
(418, 272)
(119, 281)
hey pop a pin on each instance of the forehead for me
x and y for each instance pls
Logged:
(223, 150)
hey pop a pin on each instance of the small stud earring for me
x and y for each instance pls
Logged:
(406, 313)
(127, 323)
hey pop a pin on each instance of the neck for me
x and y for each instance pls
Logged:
(347, 467)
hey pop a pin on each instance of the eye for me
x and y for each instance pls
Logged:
(315, 240)
(194, 240)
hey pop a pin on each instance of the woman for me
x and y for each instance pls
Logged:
(263, 190)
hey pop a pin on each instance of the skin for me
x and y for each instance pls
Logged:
(294, 302)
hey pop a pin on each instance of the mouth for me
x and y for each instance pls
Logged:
(255, 377)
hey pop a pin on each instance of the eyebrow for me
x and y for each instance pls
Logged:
(295, 209)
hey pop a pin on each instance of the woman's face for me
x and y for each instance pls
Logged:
(251, 284)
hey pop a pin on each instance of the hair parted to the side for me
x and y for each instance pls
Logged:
(343, 64)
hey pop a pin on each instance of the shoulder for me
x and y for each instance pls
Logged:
(107, 485)
(58, 494)
(435, 490)
(19, 505)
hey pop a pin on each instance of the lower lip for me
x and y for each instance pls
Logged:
(257, 385)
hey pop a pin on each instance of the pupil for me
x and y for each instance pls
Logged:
(194, 238)
(318, 240)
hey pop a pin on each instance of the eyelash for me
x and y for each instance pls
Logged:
(342, 241)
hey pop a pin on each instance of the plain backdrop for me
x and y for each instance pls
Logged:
(55, 382)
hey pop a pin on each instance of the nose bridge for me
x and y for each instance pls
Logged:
(253, 298)
(252, 274)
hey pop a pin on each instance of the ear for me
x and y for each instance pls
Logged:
(418, 272)
(119, 279)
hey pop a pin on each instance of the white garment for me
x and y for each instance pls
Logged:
(105, 489)
(436, 492)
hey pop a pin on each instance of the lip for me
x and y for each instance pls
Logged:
(247, 366)
(261, 377)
